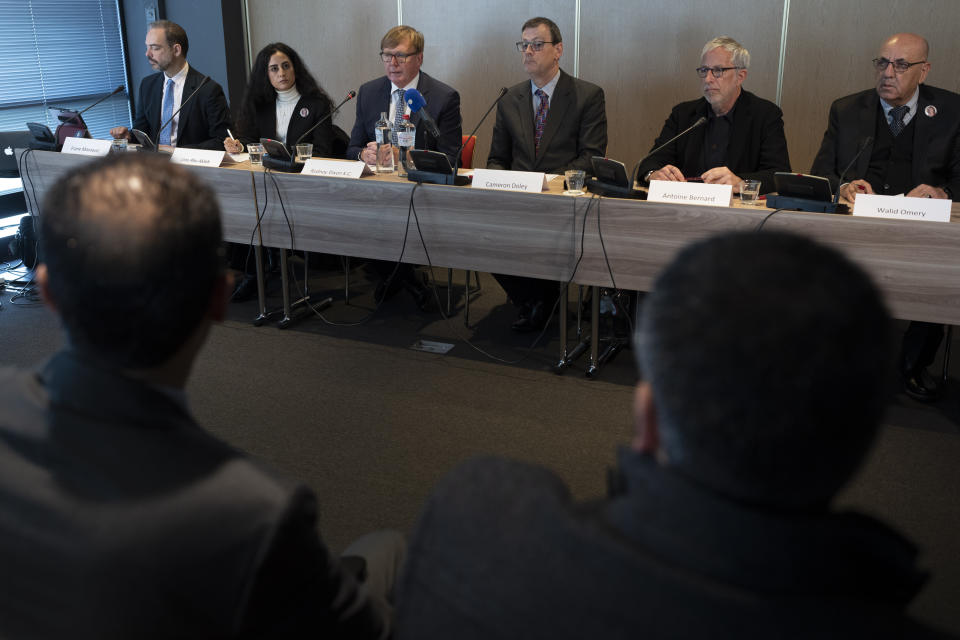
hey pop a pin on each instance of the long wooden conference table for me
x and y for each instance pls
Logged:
(916, 264)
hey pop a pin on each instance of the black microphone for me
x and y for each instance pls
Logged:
(290, 164)
(77, 114)
(417, 104)
(866, 143)
(79, 128)
(456, 163)
(145, 140)
(696, 124)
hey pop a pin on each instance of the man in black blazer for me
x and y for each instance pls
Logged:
(742, 138)
(121, 517)
(203, 122)
(552, 122)
(719, 522)
(401, 50)
(916, 152)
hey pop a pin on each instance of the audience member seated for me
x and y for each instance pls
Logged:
(719, 522)
(120, 517)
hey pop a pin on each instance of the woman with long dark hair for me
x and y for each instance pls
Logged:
(282, 102)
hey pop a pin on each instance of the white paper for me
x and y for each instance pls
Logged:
(86, 146)
(902, 208)
(335, 168)
(526, 181)
(197, 157)
(717, 195)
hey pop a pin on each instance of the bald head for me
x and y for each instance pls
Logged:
(898, 87)
(131, 247)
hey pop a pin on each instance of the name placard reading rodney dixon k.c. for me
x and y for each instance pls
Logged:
(335, 168)
(902, 208)
(528, 181)
(717, 195)
(86, 146)
(197, 157)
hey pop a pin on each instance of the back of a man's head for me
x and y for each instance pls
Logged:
(767, 356)
(132, 247)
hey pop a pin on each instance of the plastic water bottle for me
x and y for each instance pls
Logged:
(383, 131)
(406, 138)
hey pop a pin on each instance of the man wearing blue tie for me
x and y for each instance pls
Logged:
(203, 121)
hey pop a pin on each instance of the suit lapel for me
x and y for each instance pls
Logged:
(693, 149)
(523, 103)
(189, 86)
(560, 102)
(424, 86)
(922, 131)
(866, 125)
(739, 131)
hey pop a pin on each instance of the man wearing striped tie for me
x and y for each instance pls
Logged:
(203, 121)
(551, 123)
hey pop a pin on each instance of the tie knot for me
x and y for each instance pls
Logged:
(899, 112)
(541, 93)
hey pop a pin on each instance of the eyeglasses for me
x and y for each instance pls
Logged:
(536, 45)
(899, 65)
(716, 71)
(399, 57)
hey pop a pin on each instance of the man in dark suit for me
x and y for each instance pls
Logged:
(203, 122)
(401, 50)
(552, 123)
(120, 516)
(908, 138)
(719, 523)
(742, 138)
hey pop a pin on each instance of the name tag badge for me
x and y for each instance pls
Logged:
(902, 208)
(526, 181)
(86, 146)
(717, 195)
(335, 168)
(197, 157)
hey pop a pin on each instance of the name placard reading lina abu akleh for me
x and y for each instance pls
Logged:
(527, 181)
(197, 157)
(902, 208)
(717, 195)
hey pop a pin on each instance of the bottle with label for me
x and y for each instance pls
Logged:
(384, 132)
(406, 138)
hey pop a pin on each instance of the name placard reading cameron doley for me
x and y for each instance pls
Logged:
(902, 208)
(197, 157)
(528, 181)
(717, 195)
(335, 168)
(86, 146)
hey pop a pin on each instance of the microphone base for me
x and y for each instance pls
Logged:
(431, 177)
(803, 204)
(614, 191)
(281, 164)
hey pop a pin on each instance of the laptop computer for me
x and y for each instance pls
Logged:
(9, 142)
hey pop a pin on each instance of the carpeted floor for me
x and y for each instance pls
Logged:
(371, 424)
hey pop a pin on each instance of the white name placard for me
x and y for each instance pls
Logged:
(902, 208)
(717, 195)
(197, 157)
(86, 146)
(335, 168)
(527, 181)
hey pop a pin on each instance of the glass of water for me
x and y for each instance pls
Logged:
(118, 145)
(256, 154)
(575, 179)
(750, 192)
(304, 151)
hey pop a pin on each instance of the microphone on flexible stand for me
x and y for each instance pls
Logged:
(866, 143)
(146, 144)
(277, 156)
(617, 183)
(79, 128)
(441, 175)
(416, 102)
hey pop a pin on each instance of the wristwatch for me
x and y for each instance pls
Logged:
(646, 178)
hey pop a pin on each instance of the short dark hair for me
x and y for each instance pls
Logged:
(767, 355)
(133, 247)
(550, 24)
(260, 93)
(174, 33)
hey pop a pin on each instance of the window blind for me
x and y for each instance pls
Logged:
(62, 53)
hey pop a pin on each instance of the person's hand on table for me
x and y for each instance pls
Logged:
(926, 191)
(850, 190)
(369, 153)
(667, 172)
(722, 175)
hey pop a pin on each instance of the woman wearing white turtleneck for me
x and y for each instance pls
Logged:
(282, 102)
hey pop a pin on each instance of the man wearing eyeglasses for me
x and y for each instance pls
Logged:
(743, 136)
(401, 51)
(908, 137)
(551, 123)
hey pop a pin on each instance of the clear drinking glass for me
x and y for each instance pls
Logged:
(575, 179)
(750, 192)
(256, 154)
(304, 151)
